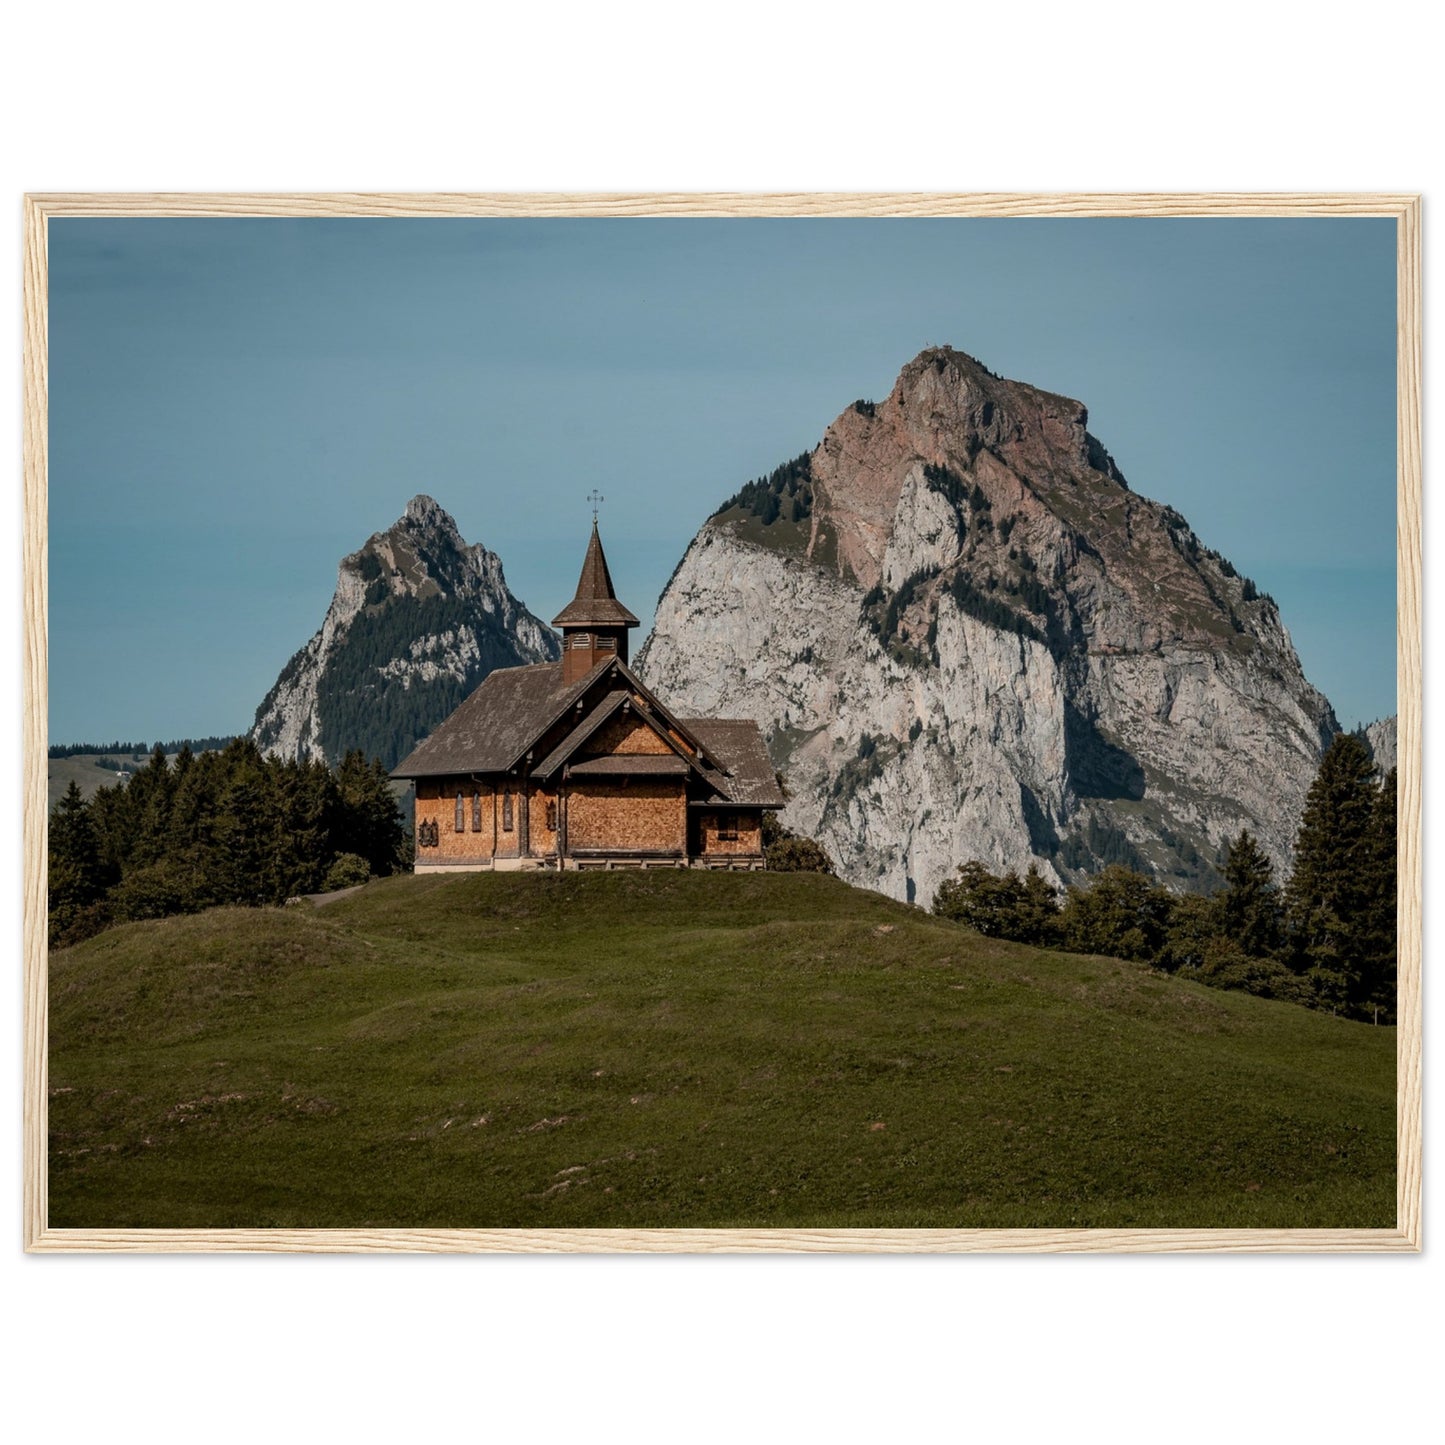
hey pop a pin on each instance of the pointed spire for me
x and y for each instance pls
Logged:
(596, 603)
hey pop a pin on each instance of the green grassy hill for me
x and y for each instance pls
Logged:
(684, 1049)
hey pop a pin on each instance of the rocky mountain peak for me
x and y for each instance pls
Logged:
(426, 511)
(968, 637)
(417, 620)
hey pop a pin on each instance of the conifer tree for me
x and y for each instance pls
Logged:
(1327, 897)
(1249, 902)
(1038, 910)
(1375, 996)
(76, 876)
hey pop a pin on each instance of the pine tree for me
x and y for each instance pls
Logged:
(1375, 995)
(76, 875)
(1249, 902)
(1328, 896)
(1038, 911)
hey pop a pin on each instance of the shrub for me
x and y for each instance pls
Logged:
(1226, 967)
(785, 851)
(1026, 911)
(349, 870)
(159, 890)
(1122, 913)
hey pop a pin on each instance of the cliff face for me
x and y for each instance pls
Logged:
(966, 637)
(1382, 739)
(418, 619)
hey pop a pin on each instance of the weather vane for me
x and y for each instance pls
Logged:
(595, 497)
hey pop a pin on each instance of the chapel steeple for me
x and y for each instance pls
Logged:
(594, 623)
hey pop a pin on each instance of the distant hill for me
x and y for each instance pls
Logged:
(95, 769)
(418, 619)
(684, 1049)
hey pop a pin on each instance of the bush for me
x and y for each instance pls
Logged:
(349, 871)
(785, 851)
(1025, 910)
(159, 890)
(1226, 967)
(1122, 913)
(74, 925)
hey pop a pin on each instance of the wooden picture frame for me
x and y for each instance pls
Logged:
(1403, 209)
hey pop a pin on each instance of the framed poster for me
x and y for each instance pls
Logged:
(1002, 833)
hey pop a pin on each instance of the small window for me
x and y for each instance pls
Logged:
(552, 816)
(727, 827)
(477, 811)
(461, 822)
(506, 812)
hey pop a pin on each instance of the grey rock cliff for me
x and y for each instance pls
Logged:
(1382, 739)
(418, 619)
(965, 637)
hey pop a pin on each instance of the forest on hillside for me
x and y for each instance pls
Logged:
(202, 829)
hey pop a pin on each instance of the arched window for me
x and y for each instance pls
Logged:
(552, 815)
(477, 811)
(460, 819)
(506, 812)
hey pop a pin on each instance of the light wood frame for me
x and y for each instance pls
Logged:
(1405, 1236)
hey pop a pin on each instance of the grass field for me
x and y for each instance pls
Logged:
(684, 1049)
(83, 769)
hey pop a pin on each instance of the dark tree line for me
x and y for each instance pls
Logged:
(1326, 939)
(231, 826)
(789, 485)
(142, 749)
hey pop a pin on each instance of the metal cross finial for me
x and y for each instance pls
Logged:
(595, 497)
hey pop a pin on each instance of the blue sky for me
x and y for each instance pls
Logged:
(235, 404)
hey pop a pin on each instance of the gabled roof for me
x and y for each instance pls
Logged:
(494, 727)
(750, 779)
(515, 707)
(596, 603)
(579, 735)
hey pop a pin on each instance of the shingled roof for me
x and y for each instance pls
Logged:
(515, 706)
(750, 780)
(595, 604)
(493, 727)
(634, 765)
(579, 735)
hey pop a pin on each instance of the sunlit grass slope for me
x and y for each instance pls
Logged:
(684, 1049)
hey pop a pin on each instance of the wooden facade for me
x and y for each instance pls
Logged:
(576, 764)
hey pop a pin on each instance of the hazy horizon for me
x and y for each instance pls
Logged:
(235, 405)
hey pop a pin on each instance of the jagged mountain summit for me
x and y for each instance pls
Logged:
(966, 637)
(419, 618)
